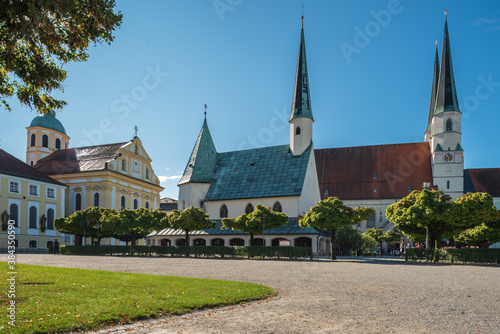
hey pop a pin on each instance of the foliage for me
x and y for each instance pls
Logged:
(331, 214)
(253, 222)
(190, 219)
(392, 236)
(275, 252)
(368, 242)
(349, 238)
(443, 217)
(459, 255)
(61, 300)
(38, 37)
(130, 225)
(86, 222)
(482, 235)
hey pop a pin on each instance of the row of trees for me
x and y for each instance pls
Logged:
(471, 218)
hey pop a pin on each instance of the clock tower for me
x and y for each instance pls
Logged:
(445, 134)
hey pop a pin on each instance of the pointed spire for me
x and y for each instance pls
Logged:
(446, 98)
(203, 158)
(435, 80)
(301, 104)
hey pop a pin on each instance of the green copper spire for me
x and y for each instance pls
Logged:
(435, 80)
(201, 164)
(446, 99)
(301, 104)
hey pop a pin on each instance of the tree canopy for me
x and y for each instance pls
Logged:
(38, 37)
(86, 222)
(482, 235)
(253, 223)
(130, 225)
(190, 219)
(349, 238)
(331, 214)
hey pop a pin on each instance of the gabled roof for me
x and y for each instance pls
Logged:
(446, 99)
(291, 228)
(10, 165)
(373, 172)
(261, 172)
(79, 159)
(482, 180)
(435, 80)
(201, 163)
(301, 104)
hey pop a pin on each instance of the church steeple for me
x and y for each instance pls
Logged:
(432, 106)
(446, 99)
(301, 118)
(202, 161)
(301, 103)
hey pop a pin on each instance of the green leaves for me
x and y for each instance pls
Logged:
(190, 219)
(38, 37)
(253, 222)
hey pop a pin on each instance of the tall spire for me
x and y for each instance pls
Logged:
(446, 98)
(203, 158)
(301, 104)
(435, 80)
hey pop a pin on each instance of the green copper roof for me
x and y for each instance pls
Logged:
(262, 172)
(48, 121)
(446, 99)
(459, 148)
(201, 164)
(301, 104)
(435, 80)
(438, 148)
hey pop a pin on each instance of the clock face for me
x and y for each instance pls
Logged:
(449, 157)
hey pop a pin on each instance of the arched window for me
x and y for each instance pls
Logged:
(58, 144)
(277, 207)
(136, 204)
(371, 221)
(33, 216)
(123, 202)
(146, 205)
(78, 202)
(297, 131)
(45, 141)
(223, 211)
(449, 126)
(33, 140)
(97, 199)
(31, 163)
(147, 173)
(14, 214)
(249, 208)
(124, 165)
(447, 184)
(136, 149)
(50, 219)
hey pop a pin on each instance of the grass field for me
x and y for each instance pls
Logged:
(52, 299)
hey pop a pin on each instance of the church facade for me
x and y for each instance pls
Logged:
(292, 178)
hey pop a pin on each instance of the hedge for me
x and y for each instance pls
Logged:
(459, 255)
(192, 251)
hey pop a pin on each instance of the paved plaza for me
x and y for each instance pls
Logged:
(351, 295)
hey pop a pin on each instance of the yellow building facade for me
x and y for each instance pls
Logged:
(30, 200)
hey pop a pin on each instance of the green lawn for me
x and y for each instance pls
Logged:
(51, 299)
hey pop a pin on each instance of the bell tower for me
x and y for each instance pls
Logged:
(45, 135)
(301, 118)
(446, 126)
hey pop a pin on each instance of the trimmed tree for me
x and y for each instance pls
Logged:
(130, 225)
(331, 215)
(190, 219)
(38, 37)
(253, 223)
(376, 234)
(349, 238)
(86, 222)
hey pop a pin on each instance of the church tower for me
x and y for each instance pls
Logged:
(45, 135)
(195, 182)
(301, 118)
(445, 135)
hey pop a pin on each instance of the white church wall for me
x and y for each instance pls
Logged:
(192, 194)
(379, 206)
(289, 205)
(310, 190)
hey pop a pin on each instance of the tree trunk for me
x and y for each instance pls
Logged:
(332, 249)
(436, 252)
(187, 238)
(133, 239)
(381, 248)
(251, 239)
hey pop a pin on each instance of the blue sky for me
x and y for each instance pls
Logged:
(170, 58)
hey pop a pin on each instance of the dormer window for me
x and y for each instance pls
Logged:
(297, 131)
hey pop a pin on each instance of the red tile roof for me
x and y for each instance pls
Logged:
(373, 172)
(10, 165)
(485, 180)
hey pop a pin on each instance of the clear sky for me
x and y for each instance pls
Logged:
(370, 71)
